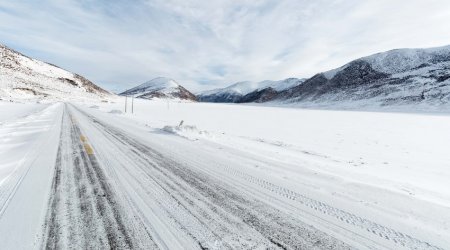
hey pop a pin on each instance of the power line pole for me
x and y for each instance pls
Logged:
(132, 104)
(126, 104)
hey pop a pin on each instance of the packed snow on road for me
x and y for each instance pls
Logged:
(185, 175)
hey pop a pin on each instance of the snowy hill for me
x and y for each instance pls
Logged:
(24, 78)
(394, 78)
(237, 91)
(160, 87)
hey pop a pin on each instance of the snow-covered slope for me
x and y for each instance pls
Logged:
(237, 91)
(160, 87)
(393, 78)
(24, 78)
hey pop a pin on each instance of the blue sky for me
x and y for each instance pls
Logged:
(208, 44)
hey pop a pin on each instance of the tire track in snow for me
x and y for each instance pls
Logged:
(346, 217)
(84, 211)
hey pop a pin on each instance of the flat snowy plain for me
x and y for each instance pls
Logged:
(230, 176)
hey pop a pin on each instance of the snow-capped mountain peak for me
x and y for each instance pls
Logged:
(160, 87)
(159, 83)
(398, 77)
(399, 60)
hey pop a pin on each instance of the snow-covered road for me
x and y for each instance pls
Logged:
(114, 184)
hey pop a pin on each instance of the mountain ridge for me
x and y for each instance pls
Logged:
(25, 78)
(394, 77)
(242, 91)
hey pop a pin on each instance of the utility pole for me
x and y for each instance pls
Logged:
(132, 104)
(126, 104)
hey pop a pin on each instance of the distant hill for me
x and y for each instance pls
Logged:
(246, 91)
(160, 87)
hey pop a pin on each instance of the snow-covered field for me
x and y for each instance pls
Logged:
(362, 179)
(392, 168)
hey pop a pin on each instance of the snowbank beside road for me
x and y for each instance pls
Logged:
(20, 139)
(12, 110)
(28, 148)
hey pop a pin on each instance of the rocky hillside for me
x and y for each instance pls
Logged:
(397, 77)
(160, 87)
(24, 78)
(401, 77)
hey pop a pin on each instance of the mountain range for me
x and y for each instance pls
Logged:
(392, 78)
(248, 91)
(24, 78)
(396, 77)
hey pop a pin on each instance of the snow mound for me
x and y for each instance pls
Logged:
(186, 131)
(115, 111)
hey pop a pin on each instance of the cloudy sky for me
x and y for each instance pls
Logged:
(213, 43)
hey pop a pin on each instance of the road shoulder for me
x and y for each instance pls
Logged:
(21, 220)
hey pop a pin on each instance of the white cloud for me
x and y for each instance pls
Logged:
(205, 44)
